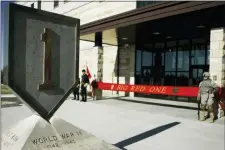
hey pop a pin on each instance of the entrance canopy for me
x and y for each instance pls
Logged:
(164, 19)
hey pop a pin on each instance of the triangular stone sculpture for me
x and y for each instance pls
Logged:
(34, 133)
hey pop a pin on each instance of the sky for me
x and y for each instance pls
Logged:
(3, 4)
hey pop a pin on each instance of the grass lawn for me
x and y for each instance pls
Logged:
(5, 90)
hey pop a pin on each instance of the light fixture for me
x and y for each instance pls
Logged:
(156, 33)
(200, 26)
(169, 37)
(124, 38)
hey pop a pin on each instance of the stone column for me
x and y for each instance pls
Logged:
(99, 71)
(98, 44)
(217, 58)
(127, 67)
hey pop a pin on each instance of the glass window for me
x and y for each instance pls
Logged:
(170, 60)
(138, 61)
(183, 55)
(183, 60)
(162, 56)
(169, 78)
(146, 58)
(208, 54)
(159, 49)
(183, 74)
(159, 45)
(198, 41)
(137, 79)
(198, 55)
(153, 57)
(197, 76)
(138, 72)
(182, 79)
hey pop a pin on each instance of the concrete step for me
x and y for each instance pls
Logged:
(8, 97)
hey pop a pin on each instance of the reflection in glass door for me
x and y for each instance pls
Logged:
(197, 74)
(158, 67)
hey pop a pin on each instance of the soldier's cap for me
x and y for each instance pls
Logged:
(206, 74)
(83, 70)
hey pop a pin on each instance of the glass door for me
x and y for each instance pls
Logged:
(197, 74)
(147, 77)
(158, 67)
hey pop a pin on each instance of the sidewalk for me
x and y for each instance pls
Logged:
(169, 103)
(135, 126)
(156, 106)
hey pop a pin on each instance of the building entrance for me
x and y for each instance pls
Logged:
(178, 63)
(174, 51)
(154, 73)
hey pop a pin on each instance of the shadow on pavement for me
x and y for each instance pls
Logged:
(144, 135)
(157, 104)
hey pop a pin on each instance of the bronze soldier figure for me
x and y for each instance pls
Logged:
(207, 89)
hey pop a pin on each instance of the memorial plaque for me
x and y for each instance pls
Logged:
(42, 57)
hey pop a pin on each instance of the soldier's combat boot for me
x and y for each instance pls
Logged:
(211, 117)
(202, 116)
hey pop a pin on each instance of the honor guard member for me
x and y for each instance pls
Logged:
(84, 84)
(207, 89)
(76, 89)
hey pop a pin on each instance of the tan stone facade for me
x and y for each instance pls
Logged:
(103, 62)
(217, 56)
(126, 67)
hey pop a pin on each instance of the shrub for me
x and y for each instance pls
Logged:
(5, 90)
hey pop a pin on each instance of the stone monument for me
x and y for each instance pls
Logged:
(43, 62)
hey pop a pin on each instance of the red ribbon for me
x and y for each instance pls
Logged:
(185, 91)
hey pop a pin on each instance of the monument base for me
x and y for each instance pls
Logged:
(35, 133)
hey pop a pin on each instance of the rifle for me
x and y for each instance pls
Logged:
(199, 102)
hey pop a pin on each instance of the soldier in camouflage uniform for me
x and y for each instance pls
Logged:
(207, 89)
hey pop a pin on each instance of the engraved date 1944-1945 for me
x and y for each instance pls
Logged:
(54, 141)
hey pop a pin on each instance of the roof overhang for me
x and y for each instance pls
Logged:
(148, 13)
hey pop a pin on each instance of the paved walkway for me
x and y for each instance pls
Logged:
(135, 126)
(131, 128)
(187, 110)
